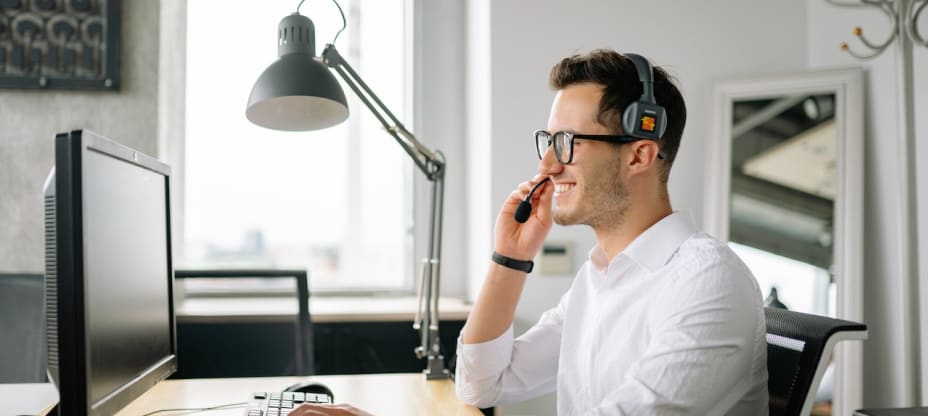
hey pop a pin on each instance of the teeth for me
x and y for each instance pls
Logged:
(563, 187)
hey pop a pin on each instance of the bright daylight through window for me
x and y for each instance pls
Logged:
(337, 202)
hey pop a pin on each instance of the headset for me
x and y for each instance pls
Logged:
(644, 118)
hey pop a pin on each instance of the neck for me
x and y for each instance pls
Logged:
(613, 238)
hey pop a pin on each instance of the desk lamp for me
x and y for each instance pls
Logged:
(298, 93)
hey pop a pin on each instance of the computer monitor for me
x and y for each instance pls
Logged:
(109, 276)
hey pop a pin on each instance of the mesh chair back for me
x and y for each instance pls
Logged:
(799, 346)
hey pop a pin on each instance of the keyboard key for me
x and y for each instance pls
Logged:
(323, 398)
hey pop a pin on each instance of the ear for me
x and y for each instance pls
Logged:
(643, 155)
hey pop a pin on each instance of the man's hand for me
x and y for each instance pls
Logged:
(522, 241)
(307, 409)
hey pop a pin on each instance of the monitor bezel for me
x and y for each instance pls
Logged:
(73, 372)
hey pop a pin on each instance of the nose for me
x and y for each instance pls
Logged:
(549, 165)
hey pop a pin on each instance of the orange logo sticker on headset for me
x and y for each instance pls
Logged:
(647, 123)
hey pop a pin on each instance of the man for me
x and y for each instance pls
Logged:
(661, 319)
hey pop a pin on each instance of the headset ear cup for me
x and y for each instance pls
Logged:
(630, 119)
(661, 123)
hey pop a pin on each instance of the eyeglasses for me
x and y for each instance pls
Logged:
(564, 143)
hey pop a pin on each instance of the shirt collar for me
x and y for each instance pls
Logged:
(654, 247)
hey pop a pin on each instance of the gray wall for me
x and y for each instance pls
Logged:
(29, 121)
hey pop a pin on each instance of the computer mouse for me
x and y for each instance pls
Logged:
(311, 387)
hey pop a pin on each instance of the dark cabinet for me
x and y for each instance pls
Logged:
(260, 349)
(375, 347)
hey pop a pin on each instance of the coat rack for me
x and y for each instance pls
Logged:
(903, 16)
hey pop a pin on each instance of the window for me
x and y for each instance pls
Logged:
(800, 286)
(338, 201)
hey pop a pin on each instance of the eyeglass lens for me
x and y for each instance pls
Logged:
(561, 141)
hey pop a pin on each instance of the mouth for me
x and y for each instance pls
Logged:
(562, 188)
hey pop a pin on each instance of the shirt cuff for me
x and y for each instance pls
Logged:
(486, 359)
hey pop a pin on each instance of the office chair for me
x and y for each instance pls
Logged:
(22, 328)
(210, 339)
(799, 347)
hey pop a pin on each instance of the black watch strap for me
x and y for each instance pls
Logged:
(520, 265)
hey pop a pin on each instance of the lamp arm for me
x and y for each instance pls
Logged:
(426, 160)
(432, 164)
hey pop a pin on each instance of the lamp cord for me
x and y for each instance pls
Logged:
(340, 11)
(344, 22)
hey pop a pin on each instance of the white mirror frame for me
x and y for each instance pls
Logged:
(847, 85)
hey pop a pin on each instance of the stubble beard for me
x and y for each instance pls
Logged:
(603, 202)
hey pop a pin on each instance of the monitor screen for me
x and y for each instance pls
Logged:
(109, 277)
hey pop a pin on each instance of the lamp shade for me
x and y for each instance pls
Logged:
(296, 92)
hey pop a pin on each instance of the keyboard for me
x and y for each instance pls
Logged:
(280, 404)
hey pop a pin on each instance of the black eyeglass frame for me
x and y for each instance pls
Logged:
(611, 138)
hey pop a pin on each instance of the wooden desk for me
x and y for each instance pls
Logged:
(380, 394)
(27, 398)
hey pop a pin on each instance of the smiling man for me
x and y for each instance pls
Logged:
(661, 319)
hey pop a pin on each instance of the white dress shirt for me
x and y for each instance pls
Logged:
(673, 325)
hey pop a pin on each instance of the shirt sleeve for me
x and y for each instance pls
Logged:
(506, 370)
(701, 357)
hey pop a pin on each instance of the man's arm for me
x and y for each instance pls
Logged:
(491, 366)
(506, 370)
(495, 307)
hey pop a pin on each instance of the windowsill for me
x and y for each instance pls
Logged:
(322, 309)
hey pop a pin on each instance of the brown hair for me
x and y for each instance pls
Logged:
(618, 76)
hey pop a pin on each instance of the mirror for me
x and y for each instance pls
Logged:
(781, 197)
(786, 192)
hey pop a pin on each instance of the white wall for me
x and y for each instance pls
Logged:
(892, 370)
(517, 43)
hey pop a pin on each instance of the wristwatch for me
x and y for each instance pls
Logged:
(520, 265)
